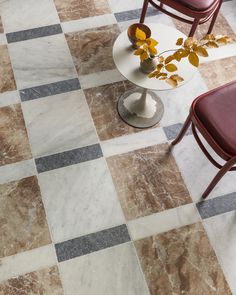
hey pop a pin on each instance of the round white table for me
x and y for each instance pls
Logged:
(141, 107)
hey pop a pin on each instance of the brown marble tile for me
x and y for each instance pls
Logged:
(14, 144)
(219, 72)
(102, 103)
(74, 9)
(7, 80)
(23, 224)
(181, 261)
(148, 181)
(41, 282)
(221, 27)
(1, 26)
(92, 49)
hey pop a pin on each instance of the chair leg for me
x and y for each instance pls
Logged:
(194, 27)
(183, 130)
(144, 11)
(228, 165)
(214, 19)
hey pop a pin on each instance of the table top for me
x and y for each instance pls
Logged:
(128, 64)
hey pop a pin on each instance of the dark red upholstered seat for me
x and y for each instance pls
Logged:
(197, 4)
(217, 112)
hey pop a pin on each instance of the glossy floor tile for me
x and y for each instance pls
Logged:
(88, 184)
(113, 270)
(92, 49)
(88, 204)
(148, 181)
(55, 125)
(14, 144)
(181, 261)
(26, 228)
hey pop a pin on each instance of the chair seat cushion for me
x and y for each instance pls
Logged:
(217, 112)
(197, 4)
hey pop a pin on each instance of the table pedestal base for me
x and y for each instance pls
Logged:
(140, 108)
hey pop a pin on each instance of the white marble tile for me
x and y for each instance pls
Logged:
(9, 97)
(113, 271)
(3, 39)
(27, 14)
(228, 9)
(198, 171)
(123, 5)
(26, 262)
(164, 221)
(127, 143)
(88, 23)
(177, 101)
(80, 199)
(41, 61)
(101, 78)
(221, 231)
(59, 123)
(17, 171)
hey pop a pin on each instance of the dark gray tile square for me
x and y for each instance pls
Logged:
(68, 158)
(49, 89)
(92, 242)
(172, 131)
(215, 206)
(34, 33)
(134, 14)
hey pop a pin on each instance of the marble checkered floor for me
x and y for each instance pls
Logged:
(88, 204)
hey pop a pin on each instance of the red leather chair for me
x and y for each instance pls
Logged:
(214, 115)
(200, 11)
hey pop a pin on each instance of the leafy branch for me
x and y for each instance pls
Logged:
(190, 48)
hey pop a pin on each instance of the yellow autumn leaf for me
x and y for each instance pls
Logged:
(177, 78)
(138, 51)
(212, 44)
(189, 42)
(169, 59)
(139, 43)
(162, 78)
(161, 59)
(140, 35)
(179, 41)
(144, 56)
(193, 59)
(159, 67)
(184, 52)
(171, 82)
(208, 37)
(152, 50)
(223, 40)
(151, 42)
(171, 67)
(201, 51)
(153, 74)
(177, 55)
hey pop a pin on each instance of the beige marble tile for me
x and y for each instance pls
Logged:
(7, 81)
(148, 181)
(181, 261)
(1, 26)
(221, 27)
(23, 224)
(74, 9)
(92, 49)
(42, 282)
(14, 144)
(102, 103)
(219, 72)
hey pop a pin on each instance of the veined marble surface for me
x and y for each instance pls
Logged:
(115, 270)
(85, 200)
(59, 123)
(47, 60)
